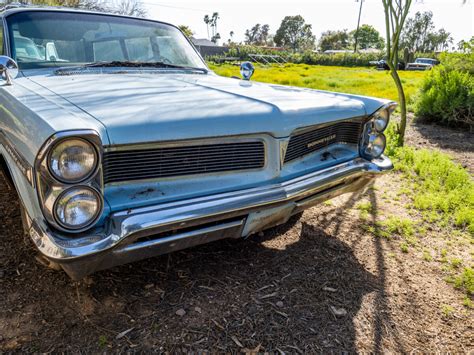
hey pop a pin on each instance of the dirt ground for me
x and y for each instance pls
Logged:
(322, 283)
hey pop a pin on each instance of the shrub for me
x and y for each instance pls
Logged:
(447, 93)
(348, 59)
(337, 59)
(465, 280)
(447, 97)
(458, 61)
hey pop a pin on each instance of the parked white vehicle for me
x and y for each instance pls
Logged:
(422, 64)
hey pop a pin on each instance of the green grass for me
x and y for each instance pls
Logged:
(102, 341)
(464, 280)
(427, 255)
(364, 208)
(358, 80)
(447, 310)
(442, 189)
(443, 192)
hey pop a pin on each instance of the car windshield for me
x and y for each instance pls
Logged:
(424, 61)
(41, 39)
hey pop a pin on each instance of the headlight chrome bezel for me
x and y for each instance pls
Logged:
(50, 188)
(372, 131)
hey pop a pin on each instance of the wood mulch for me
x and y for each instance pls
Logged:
(321, 283)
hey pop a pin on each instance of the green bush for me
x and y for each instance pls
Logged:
(310, 57)
(463, 62)
(337, 59)
(447, 97)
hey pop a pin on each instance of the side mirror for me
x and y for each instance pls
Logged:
(8, 69)
(246, 70)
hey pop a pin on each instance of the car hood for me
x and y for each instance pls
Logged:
(139, 107)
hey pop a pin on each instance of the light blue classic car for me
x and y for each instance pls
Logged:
(123, 145)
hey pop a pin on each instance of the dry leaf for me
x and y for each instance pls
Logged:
(122, 334)
(252, 351)
(338, 312)
(269, 295)
(236, 341)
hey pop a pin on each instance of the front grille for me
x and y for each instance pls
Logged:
(310, 141)
(164, 162)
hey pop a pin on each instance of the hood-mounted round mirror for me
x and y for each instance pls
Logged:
(8, 69)
(246, 70)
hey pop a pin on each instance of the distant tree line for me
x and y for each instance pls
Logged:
(418, 35)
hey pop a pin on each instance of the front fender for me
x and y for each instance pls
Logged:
(21, 183)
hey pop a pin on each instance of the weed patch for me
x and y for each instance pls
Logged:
(357, 80)
(447, 310)
(464, 280)
(442, 189)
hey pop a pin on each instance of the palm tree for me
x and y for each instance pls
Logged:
(207, 21)
(215, 17)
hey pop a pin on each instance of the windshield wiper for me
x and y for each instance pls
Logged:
(128, 64)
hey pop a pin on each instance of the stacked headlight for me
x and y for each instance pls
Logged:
(69, 180)
(374, 141)
(72, 160)
(77, 207)
(375, 145)
(381, 119)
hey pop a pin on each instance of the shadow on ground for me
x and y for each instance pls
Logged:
(294, 289)
(458, 140)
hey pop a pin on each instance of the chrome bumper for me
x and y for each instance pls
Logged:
(144, 232)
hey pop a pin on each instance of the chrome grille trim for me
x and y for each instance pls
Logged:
(170, 161)
(312, 140)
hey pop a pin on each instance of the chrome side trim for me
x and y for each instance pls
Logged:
(22, 164)
(182, 143)
(391, 106)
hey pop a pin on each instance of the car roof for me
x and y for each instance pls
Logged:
(18, 8)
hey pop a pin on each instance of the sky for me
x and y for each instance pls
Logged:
(323, 15)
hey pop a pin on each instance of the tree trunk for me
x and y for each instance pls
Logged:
(401, 127)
